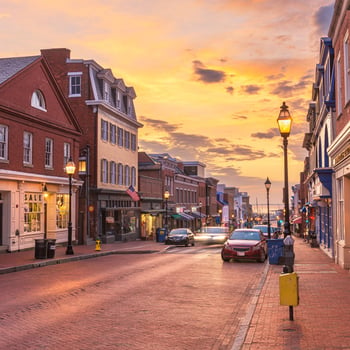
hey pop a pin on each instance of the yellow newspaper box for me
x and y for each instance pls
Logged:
(289, 289)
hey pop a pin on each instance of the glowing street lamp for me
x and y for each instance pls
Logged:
(70, 170)
(268, 186)
(284, 121)
(166, 197)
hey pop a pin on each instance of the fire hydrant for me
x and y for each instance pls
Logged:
(98, 244)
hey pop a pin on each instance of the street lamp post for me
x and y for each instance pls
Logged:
(284, 121)
(267, 186)
(70, 170)
(200, 215)
(166, 197)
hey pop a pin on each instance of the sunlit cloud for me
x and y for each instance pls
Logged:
(251, 89)
(207, 75)
(210, 76)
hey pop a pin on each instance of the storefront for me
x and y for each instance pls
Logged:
(118, 218)
(150, 222)
(34, 207)
(339, 151)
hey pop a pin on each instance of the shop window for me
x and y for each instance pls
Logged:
(32, 212)
(62, 211)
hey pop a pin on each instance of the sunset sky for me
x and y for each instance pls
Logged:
(210, 75)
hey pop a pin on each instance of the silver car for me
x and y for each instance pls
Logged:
(212, 235)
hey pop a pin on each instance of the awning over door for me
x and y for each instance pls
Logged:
(297, 220)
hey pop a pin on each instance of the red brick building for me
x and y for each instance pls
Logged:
(38, 134)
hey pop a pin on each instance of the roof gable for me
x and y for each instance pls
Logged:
(11, 66)
(18, 88)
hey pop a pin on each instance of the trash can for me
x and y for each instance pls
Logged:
(40, 248)
(160, 234)
(275, 250)
(51, 248)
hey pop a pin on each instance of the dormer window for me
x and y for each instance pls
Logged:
(75, 84)
(38, 100)
(118, 104)
(106, 91)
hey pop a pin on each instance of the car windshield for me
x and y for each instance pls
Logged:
(245, 235)
(178, 232)
(214, 230)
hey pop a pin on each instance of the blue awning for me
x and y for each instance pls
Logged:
(325, 176)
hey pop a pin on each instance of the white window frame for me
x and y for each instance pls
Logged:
(3, 142)
(104, 171)
(75, 84)
(120, 174)
(127, 139)
(27, 148)
(62, 211)
(48, 153)
(106, 91)
(340, 205)
(66, 153)
(38, 100)
(113, 133)
(133, 142)
(113, 172)
(346, 68)
(339, 92)
(33, 204)
(118, 100)
(127, 175)
(104, 130)
(120, 136)
(133, 176)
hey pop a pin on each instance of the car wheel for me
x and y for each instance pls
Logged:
(224, 258)
(192, 243)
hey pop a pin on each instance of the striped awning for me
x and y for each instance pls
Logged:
(186, 216)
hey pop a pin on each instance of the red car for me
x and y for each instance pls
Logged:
(245, 243)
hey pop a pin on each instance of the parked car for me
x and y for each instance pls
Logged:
(180, 236)
(212, 235)
(263, 229)
(274, 231)
(245, 243)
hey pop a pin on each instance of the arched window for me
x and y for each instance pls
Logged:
(38, 100)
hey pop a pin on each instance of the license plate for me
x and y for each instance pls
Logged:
(240, 253)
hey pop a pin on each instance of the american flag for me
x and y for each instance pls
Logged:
(132, 193)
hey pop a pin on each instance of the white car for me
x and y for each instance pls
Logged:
(212, 235)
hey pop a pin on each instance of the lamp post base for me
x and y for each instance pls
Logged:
(69, 250)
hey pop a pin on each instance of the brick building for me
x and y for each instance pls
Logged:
(38, 134)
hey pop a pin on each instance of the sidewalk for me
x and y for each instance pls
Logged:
(23, 260)
(321, 320)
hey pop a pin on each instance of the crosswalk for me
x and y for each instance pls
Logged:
(192, 250)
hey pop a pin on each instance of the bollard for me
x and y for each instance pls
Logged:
(288, 254)
(289, 291)
(98, 244)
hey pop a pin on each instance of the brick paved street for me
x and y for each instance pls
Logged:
(320, 320)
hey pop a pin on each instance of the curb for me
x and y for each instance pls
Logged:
(70, 259)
